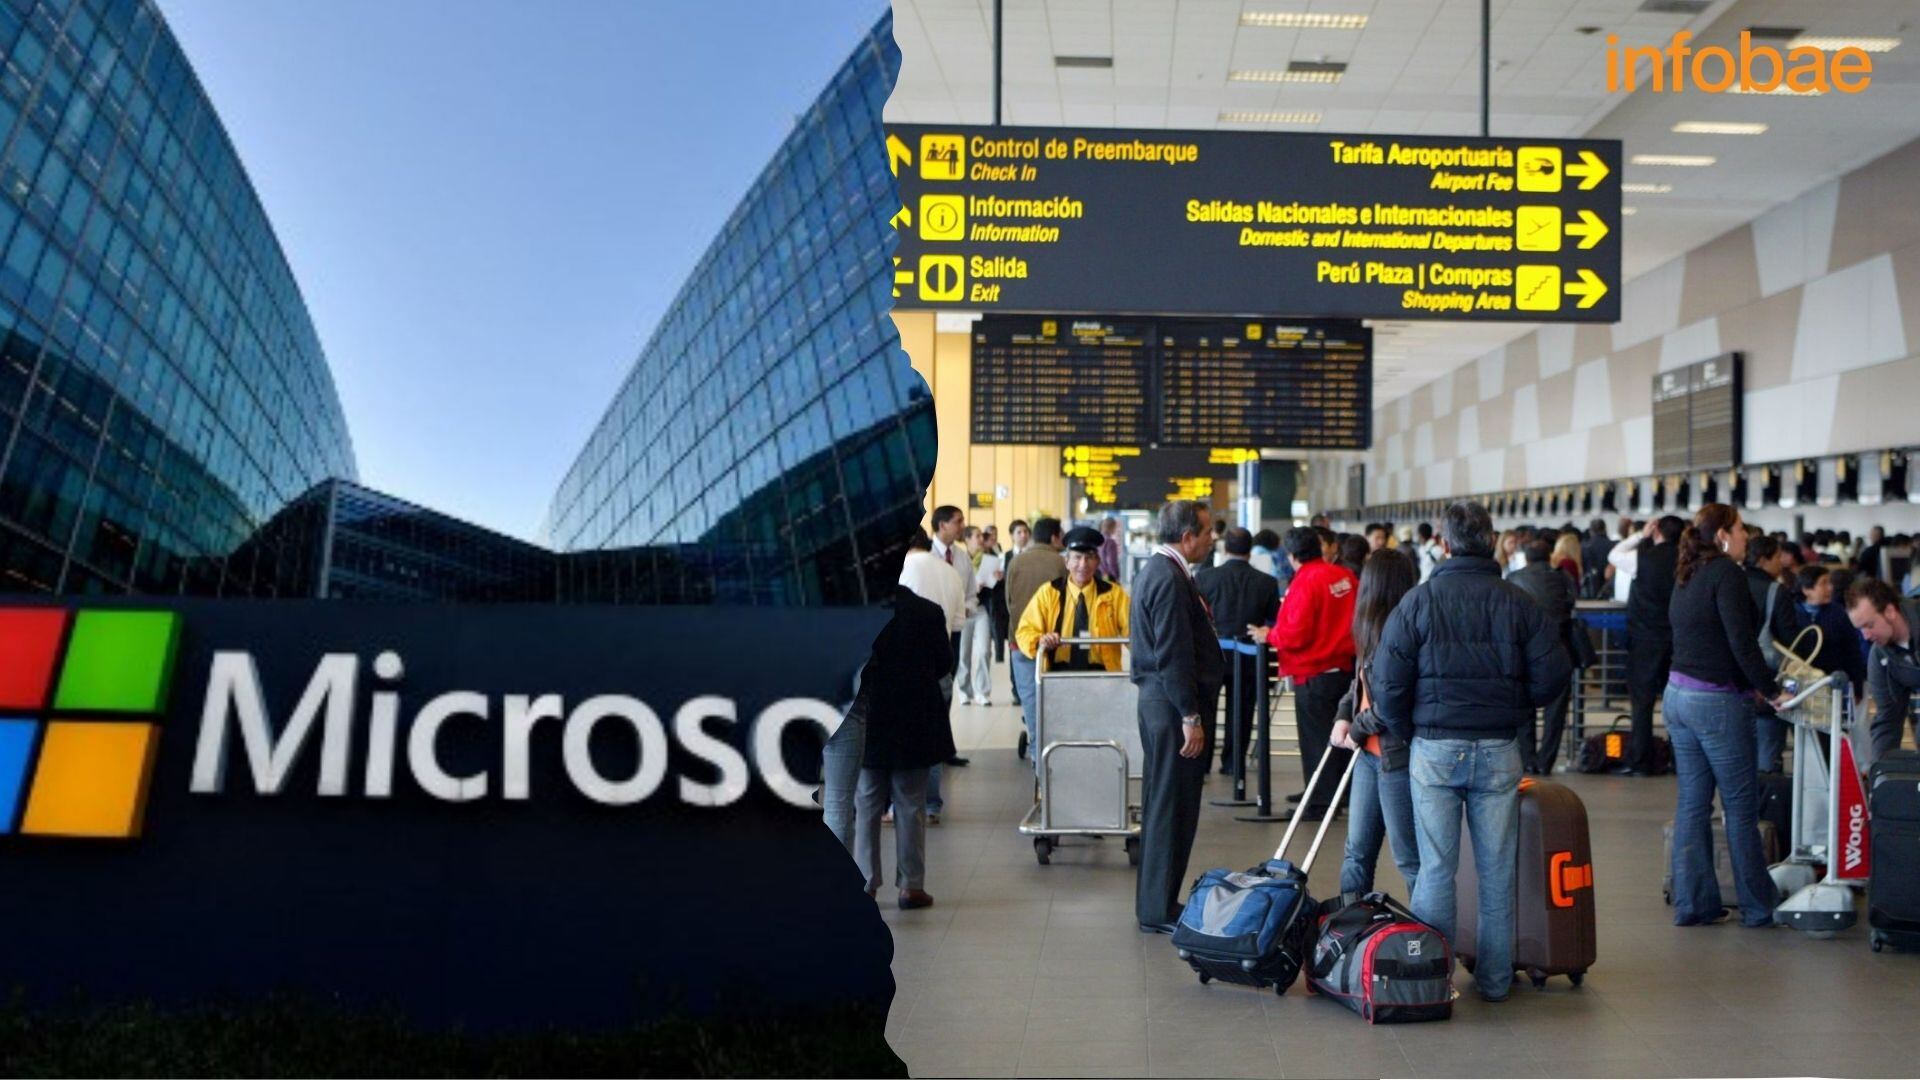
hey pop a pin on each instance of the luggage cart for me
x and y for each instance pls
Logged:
(1829, 814)
(1088, 730)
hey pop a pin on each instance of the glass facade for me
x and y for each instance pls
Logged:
(341, 541)
(771, 444)
(162, 391)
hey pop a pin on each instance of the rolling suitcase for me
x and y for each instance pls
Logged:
(1373, 956)
(1893, 885)
(1254, 927)
(1773, 847)
(1553, 925)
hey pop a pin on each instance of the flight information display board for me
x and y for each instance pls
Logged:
(1129, 477)
(1306, 385)
(1256, 223)
(1696, 416)
(1057, 381)
(1064, 380)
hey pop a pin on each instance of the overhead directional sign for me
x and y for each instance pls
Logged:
(1252, 223)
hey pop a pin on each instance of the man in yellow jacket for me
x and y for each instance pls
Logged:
(1080, 604)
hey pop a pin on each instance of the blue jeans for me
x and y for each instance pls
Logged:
(1380, 808)
(840, 771)
(1769, 739)
(1713, 747)
(1483, 776)
(1025, 673)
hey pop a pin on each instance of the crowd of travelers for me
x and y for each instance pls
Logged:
(1442, 657)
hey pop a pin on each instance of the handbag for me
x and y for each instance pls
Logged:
(1796, 666)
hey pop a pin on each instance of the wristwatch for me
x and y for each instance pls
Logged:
(1190, 721)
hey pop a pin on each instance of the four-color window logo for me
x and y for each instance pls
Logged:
(81, 697)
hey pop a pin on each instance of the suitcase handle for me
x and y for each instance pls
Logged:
(1313, 782)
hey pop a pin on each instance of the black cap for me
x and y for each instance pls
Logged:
(1085, 539)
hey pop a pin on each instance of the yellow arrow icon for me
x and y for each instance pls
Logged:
(1589, 288)
(1589, 228)
(1591, 170)
(900, 277)
(905, 217)
(897, 153)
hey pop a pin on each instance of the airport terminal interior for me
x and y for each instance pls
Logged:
(1027, 970)
(1111, 318)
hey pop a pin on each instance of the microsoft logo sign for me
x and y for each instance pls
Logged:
(81, 696)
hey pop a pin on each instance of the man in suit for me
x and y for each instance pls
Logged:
(1178, 667)
(1244, 602)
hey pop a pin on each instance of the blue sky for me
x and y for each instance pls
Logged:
(488, 204)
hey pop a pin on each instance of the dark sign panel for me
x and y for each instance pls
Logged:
(1062, 380)
(501, 817)
(1696, 416)
(1256, 223)
(1133, 478)
(1302, 385)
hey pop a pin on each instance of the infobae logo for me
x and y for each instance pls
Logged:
(81, 699)
(1809, 66)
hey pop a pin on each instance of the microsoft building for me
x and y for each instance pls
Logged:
(162, 391)
(771, 444)
(170, 425)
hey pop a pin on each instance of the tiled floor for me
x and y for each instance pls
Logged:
(1024, 970)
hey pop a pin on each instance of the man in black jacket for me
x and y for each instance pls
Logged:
(1778, 603)
(1553, 590)
(1464, 661)
(1649, 636)
(908, 732)
(1242, 598)
(1178, 667)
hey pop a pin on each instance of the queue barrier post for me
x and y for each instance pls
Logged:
(1262, 743)
(1236, 694)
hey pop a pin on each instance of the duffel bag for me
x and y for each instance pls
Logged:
(1374, 957)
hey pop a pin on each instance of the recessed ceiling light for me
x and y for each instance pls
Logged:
(1775, 33)
(1306, 71)
(1247, 116)
(1646, 189)
(1674, 7)
(1629, 211)
(1835, 44)
(1783, 90)
(1083, 61)
(1718, 127)
(1302, 20)
(1683, 161)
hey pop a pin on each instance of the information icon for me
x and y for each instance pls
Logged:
(943, 217)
